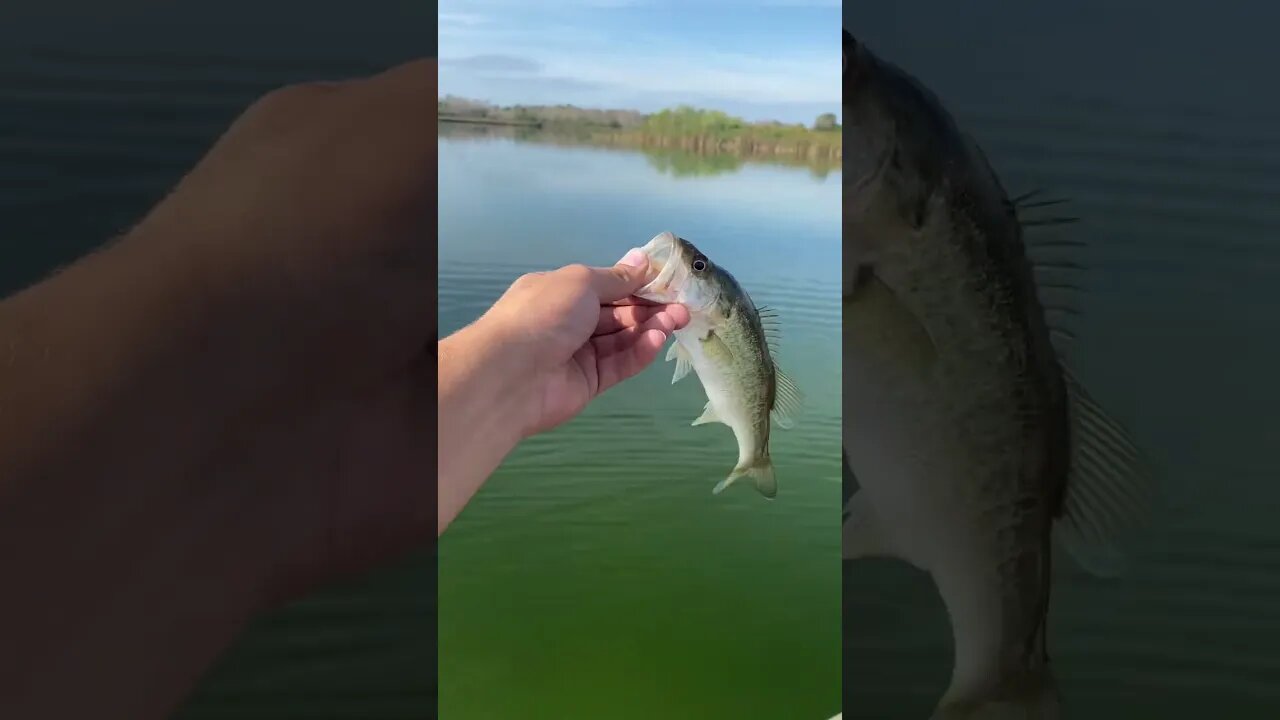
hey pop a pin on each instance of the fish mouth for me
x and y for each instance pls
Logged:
(666, 271)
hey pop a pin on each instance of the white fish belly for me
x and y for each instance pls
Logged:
(716, 384)
(933, 507)
(896, 445)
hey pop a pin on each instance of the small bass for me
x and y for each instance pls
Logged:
(727, 344)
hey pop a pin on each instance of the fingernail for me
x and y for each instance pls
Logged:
(635, 257)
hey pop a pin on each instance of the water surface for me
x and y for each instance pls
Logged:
(596, 575)
(1159, 123)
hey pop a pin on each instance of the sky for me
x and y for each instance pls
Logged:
(757, 59)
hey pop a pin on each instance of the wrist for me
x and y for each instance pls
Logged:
(485, 407)
(495, 366)
(106, 439)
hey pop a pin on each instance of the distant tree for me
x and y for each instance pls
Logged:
(825, 121)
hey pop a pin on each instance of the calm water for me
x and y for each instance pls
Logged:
(95, 126)
(1160, 123)
(596, 575)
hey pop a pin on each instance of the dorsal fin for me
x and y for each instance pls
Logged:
(772, 327)
(1110, 486)
(788, 401)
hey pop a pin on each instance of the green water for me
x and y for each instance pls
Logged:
(596, 575)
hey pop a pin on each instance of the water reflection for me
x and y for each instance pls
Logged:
(681, 162)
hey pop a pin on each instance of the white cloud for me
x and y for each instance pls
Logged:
(596, 56)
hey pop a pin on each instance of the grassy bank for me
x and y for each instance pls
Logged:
(673, 161)
(681, 128)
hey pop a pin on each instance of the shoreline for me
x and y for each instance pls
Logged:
(742, 146)
(487, 121)
(668, 156)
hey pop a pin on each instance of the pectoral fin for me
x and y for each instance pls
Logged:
(863, 534)
(715, 348)
(875, 317)
(683, 362)
(708, 416)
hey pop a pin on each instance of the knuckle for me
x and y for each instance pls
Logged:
(419, 74)
(577, 271)
(291, 98)
(526, 280)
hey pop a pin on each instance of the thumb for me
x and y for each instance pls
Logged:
(620, 281)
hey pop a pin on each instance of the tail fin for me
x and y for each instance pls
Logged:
(1036, 698)
(761, 472)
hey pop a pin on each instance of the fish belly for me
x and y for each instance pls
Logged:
(725, 398)
(930, 503)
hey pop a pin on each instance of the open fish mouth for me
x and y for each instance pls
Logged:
(665, 267)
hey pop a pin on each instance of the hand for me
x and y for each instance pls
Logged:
(225, 407)
(582, 332)
(305, 242)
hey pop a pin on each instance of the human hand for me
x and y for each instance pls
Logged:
(300, 253)
(582, 332)
(224, 408)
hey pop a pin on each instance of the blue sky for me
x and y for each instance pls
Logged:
(760, 59)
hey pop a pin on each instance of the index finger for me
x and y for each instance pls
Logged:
(632, 300)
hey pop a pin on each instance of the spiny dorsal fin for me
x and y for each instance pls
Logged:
(1023, 202)
(772, 328)
(1110, 486)
(1055, 267)
(1042, 222)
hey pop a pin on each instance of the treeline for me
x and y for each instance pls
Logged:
(695, 129)
(680, 128)
(456, 108)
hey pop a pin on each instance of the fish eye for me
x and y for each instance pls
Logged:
(699, 264)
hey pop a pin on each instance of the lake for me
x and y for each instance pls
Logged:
(1154, 120)
(595, 575)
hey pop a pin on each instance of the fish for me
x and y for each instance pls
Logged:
(730, 345)
(975, 448)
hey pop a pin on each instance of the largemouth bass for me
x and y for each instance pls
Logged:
(727, 344)
(971, 442)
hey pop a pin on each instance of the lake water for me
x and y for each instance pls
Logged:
(595, 575)
(1159, 122)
